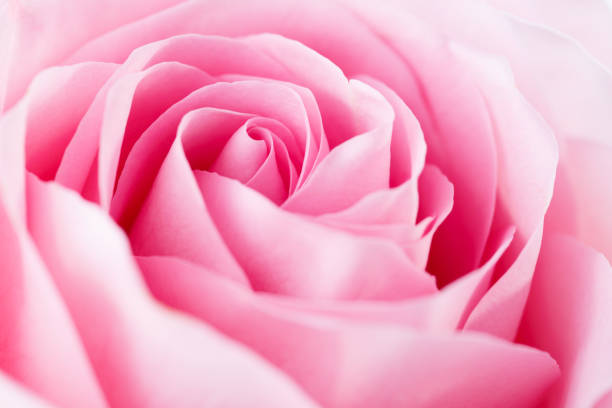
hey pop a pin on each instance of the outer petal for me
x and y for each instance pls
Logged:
(38, 335)
(12, 395)
(568, 315)
(121, 111)
(344, 363)
(605, 401)
(571, 89)
(588, 21)
(56, 102)
(583, 195)
(143, 354)
(527, 159)
(42, 33)
(35, 133)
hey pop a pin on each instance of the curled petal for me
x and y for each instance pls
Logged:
(174, 220)
(332, 264)
(266, 99)
(527, 159)
(407, 144)
(121, 111)
(360, 164)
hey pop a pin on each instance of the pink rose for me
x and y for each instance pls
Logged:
(275, 203)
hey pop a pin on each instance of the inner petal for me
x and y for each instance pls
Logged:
(241, 156)
(253, 97)
(331, 264)
(277, 176)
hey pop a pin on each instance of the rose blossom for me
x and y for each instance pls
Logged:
(305, 204)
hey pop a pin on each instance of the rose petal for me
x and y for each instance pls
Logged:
(12, 163)
(500, 311)
(360, 165)
(446, 310)
(526, 148)
(318, 74)
(57, 100)
(204, 131)
(590, 22)
(390, 214)
(605, 401)
(241, 156)
(274, 178)
(571, 89)
(12, 395)
(407, 144)
(527, 157)
(45, 121)
(267, 99)
(381, 207)
(268, 56)
(389, 365)
(31, 309)
(567, 315)
(266, 239)
(583, 195)
(457, 129)
(358, 49)
(42, 34)
(174, 220)
(126, 107)
(143, 353)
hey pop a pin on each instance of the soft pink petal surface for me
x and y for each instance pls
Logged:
(12, 395)
(57, 101)
(588, 21)
(570, 88)
(583, 195)
(344, 363)
(44, 33)
(174, 220)
(527, 159)
(31, 310)
(568, 315)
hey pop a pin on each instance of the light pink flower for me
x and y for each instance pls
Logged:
(274, 203)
